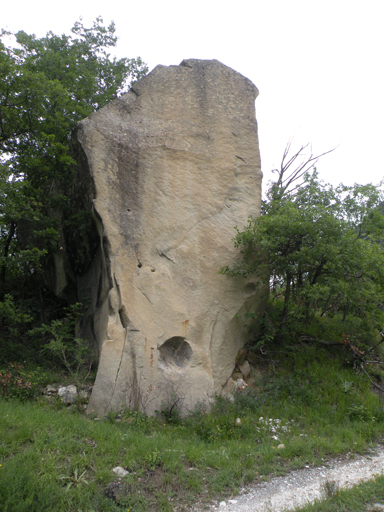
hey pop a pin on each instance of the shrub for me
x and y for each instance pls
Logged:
(16, 382)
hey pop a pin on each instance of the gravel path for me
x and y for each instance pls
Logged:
(300, 487)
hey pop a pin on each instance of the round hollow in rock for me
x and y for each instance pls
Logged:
(175, 354)
(249, 289)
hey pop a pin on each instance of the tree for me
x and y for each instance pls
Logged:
(46, 86)
(321, 249)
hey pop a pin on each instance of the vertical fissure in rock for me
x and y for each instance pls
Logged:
(174, 165)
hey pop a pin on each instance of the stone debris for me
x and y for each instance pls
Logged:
(376, 507)
(273, 426)
(240, 385)
(245, 369)
(50, 390)
(119, 471)
(68, 394)
(298, 488)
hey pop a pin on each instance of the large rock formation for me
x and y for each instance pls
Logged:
(168, 170)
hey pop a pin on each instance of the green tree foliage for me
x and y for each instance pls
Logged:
(46, 86)
(321, 248)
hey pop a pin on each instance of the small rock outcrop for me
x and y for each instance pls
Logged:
(68, 394)
(167, 171)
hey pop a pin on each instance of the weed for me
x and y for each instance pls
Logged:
(138, 396)
(329, 488)
(112, 416)
(136, 419)
(360, 412)
(75, 479)
(72, 352)
(171, 406)
(152, 460)
(346, 385)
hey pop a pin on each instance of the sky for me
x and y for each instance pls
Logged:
(318, 65)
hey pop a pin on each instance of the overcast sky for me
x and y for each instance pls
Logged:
(317, 64)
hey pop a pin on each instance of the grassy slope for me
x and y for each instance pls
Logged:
(325, 407)
(356, 499)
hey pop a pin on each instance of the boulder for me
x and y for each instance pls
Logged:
(245, 369)
(68, 394)
(166, 171)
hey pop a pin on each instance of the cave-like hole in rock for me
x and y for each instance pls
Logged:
(175, 354)
(249, 289)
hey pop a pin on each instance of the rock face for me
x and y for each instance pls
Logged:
(167, 170)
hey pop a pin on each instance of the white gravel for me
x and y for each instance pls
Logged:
(298, 488)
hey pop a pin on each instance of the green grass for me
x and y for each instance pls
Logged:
(356, 499)
(325, 408)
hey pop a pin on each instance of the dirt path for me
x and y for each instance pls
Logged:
(300, 487)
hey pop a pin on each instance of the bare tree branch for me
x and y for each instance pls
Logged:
(283, 183)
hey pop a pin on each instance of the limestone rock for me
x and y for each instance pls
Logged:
(68, 394)
(245, 369)
(228, 389)
(119, 471)
(50, 390)
(241, 356)
(376, 507)
(167, 171)
(240, 385)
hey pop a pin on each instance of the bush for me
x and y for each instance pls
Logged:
(71, 352)
(16, 382)
(319, 250)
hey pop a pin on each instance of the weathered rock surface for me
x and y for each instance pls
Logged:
(68, 394)
(168, 170)
(119, 471)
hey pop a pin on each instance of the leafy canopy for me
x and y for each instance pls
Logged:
(47, 85)
(319, 249)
